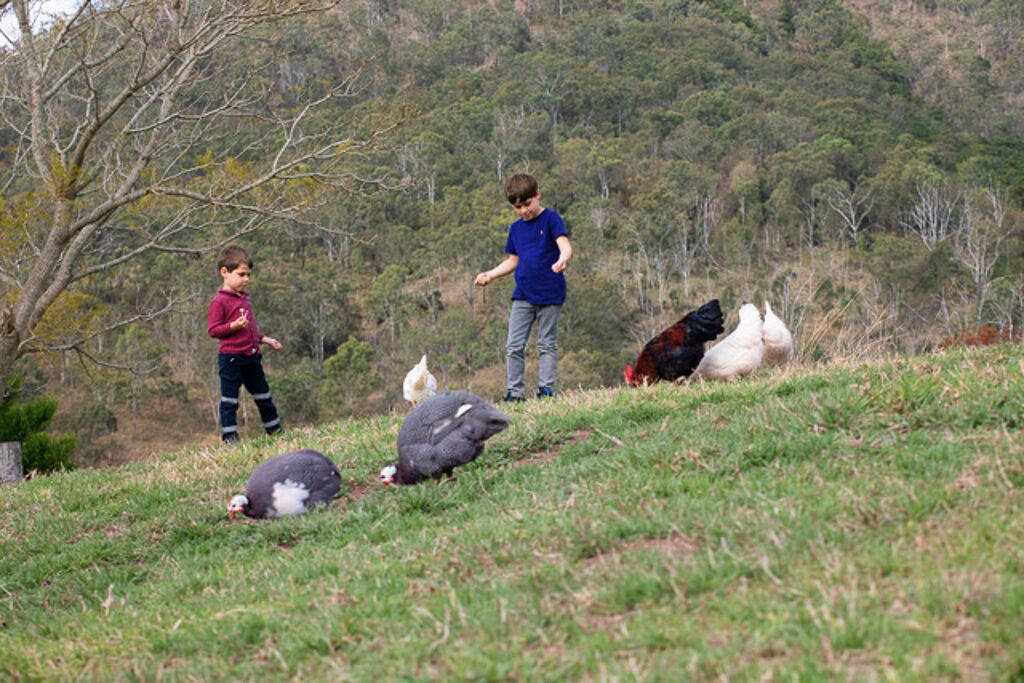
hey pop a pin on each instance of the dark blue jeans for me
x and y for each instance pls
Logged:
(237, 370)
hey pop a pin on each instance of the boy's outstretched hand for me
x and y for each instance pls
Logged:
(559, 265)
(482, 279)
(272, 343)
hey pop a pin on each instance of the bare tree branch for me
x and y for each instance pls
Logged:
(125, 117)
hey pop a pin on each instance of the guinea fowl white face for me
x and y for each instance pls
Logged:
(387, 475)
(237, 504)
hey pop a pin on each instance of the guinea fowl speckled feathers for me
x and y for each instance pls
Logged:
(288, 485)
(440, 434)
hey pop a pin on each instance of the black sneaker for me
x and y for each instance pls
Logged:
(510, 398)
(545, 392)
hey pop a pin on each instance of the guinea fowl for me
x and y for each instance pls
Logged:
(778, 342)
(419, 384)
(738, 354)
(676, 352)
(288, 485)
(440, 434)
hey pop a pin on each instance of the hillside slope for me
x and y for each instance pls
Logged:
(795, 151)
(840, 522)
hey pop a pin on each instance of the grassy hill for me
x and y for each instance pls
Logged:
(846, 522)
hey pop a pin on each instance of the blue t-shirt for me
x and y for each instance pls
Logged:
(534, 243)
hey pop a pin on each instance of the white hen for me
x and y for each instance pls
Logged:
(738, 354)
(419, 384)
(778, 341)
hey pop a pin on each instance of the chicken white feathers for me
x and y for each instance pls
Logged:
(778, 341)
(740, 353)
(419, 384)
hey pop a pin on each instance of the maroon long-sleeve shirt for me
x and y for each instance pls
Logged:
(226, 307)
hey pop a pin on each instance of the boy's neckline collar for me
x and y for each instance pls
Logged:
(228, 290)
(536, 216)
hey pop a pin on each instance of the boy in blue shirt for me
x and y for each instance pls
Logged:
(538, 250)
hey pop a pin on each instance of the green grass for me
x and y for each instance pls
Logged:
(850, 522)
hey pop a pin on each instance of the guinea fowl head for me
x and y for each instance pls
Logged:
(238, 504)
(387, 475)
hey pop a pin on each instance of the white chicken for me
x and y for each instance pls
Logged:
(419, 384)
(778, 341)
(740, 353)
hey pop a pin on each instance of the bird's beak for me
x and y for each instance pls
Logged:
(388, 481)
(231, 515)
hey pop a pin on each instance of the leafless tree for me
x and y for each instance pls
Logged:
(708, 213)
(852, 206)
(684, 251)
(979, 239)
(934, 215)
(514, 130)
(651, 268)
(134, 131)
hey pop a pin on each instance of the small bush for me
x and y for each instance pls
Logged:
(27, 423)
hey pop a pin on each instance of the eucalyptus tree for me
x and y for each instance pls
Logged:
(135, 127)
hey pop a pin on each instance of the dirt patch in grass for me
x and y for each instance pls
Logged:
(678, 546)
(355, 492)
(116, 530)
(675, 546)
(551, 453)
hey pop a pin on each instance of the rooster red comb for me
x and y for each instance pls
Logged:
(629, 375)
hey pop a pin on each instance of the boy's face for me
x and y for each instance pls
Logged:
(238, 279)
(529, 208)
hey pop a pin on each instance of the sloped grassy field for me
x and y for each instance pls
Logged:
(849, 522)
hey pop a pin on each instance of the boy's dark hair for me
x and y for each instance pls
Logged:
(232, 256)
(520, 188)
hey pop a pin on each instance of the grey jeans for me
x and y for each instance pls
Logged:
(520, 322)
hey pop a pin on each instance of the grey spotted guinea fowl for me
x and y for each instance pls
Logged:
(440, 434)
(288, 485)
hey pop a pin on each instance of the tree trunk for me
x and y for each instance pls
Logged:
(11, 470)
(8, 354)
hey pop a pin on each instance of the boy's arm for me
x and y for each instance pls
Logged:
(215, 323)
(564, 253)
(264, 339)
(501, 270)
(217, 327)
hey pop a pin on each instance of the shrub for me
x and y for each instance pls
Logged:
(27, 423)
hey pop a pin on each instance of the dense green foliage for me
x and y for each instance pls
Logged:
(852, 522)
(696, 149)
(26, 423)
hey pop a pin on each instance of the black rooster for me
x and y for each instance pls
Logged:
(676, 352)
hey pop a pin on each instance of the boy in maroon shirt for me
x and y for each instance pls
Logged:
(231, 320)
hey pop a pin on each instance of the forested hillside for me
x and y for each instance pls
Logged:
(833, 157)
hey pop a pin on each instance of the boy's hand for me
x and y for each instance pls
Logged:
(272, 343)
(241, 321)
(559, 265)
(482, 279)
